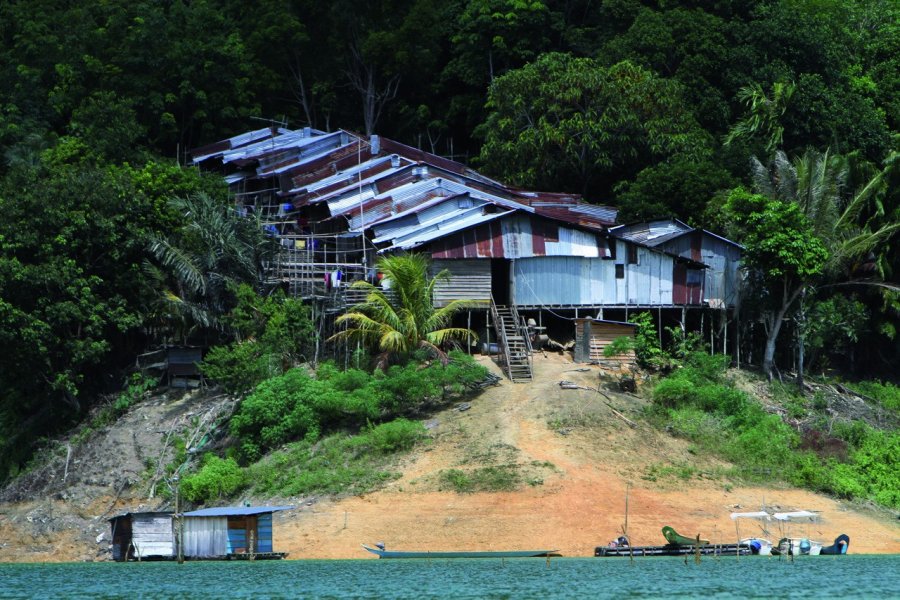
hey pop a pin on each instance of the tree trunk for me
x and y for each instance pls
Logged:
(771, 338)
(775, 329)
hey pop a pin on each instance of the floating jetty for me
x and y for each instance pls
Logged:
(674, 550)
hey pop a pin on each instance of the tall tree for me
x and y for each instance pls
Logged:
(571, 124)
(781, 254)
(815, 185)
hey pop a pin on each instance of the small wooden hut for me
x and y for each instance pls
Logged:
(142, 536)
(592, 336)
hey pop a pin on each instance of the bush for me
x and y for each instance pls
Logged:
(274, 413)
(877, 464)
(390, 437)
(337, 464)
(239, 367)
(218, 478)
(887, 394)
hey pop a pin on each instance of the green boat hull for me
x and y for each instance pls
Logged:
(673, 537)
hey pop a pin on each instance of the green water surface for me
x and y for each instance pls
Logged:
(850, 576)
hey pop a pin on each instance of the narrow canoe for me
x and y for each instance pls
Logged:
(458, 554)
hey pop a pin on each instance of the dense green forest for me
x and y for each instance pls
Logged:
(772, 121)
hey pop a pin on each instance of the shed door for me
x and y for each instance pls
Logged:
(679, 284)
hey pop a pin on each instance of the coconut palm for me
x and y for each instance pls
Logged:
(403, 319)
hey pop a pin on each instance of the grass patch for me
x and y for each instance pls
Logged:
(855, 461)
(337, 464)
(501, 478)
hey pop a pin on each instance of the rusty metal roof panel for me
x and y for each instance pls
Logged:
(265, 148)
(652, 233)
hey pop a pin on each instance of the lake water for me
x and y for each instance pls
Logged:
(747, 577)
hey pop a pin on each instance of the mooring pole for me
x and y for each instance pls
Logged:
(179, 524)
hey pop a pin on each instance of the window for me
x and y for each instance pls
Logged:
(694, 277)
(632, 254)
(620, 271)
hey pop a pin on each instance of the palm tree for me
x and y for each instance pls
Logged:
(763, 118)
(404, 318)
(214, 249)
(818, 182)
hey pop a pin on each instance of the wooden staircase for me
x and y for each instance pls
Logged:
(514, 342)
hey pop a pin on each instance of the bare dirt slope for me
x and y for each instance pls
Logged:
(575, 456)
(59, 510)
(573, 505)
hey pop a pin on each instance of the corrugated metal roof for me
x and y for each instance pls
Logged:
(443, 217)
(152, 512)
(439, 231)
(235, 511)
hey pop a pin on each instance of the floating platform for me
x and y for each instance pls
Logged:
(674, 550)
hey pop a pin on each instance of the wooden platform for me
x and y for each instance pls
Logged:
(674, 550)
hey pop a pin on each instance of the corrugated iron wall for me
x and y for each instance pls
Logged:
(470, 279)
(720, 280)
(576, 281)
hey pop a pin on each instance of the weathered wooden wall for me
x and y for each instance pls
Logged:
(593, 336)
(152, 535)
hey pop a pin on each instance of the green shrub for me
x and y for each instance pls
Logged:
(390, 437)
(845, 481)
(877, 464)
(218, 478)
(239, 367)
(136, 390)
(887, 394)
(673, 392)
(854, 432)
(336, 464)
(698, 426)
(619, 346)
(274, 413)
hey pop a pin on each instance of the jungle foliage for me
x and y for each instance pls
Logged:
(853, 461)
(108, 245)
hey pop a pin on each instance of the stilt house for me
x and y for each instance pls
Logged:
(335, 201)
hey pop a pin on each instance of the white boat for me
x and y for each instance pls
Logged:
(758, 545)
(798, 546)
(795, 545)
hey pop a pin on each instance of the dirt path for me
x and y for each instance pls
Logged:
(575, 456)
(580, 502)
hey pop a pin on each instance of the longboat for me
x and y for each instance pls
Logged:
(458, 554)
(678, 545)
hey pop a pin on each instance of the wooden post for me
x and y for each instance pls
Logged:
(179, 523)
(697, 551)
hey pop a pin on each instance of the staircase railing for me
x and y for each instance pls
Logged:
(502, 345)
(522, 328)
